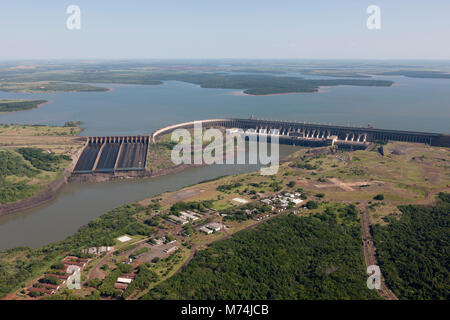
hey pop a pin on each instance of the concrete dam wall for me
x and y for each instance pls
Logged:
(303, 133)
(113, 154)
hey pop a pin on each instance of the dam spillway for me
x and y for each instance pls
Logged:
(113, 154)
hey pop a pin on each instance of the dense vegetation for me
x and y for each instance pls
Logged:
(414, 252)
(12, 164)
(264, 84)
(13, 168)
(418, 74)
(18, 105)
(290, 257)
(42, 160)
(145, 276)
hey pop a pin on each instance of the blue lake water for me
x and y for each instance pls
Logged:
(410, 104)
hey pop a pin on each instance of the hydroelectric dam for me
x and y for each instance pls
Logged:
(128, 154)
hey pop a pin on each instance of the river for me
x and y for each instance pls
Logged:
(77, 204)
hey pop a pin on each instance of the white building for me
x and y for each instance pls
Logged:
(124, 280)
(178, 220)
(188, 216)
(170, 250)
(214, 226)
(206, 230)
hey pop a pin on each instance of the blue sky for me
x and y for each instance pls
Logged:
(198, 29)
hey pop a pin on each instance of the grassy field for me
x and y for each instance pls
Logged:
(47, 86)
(408, 173)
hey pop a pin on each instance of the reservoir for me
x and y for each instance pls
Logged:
(410, 104)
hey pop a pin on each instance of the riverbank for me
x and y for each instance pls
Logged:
(36, 162)
(16, 105)
(45, 196)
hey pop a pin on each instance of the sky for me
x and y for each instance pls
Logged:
(245, 29)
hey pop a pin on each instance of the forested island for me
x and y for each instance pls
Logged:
(252, 84)
(19, 105)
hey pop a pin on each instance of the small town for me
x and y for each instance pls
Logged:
(114, 269)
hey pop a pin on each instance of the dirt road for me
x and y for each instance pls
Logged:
(370, 256)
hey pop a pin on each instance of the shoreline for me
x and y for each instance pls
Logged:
(50, 193)
(242, 93)
(36, 107)
(44, 196)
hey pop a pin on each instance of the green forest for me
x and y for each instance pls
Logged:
(18, 105)
(289, 257)
(14, 166)
(414, 251)
(42, 160)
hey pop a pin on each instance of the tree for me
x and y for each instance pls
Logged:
(379, 197)
(312, 205)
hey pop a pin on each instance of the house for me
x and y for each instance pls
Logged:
(120, 286)
(177, 220)
(124, 280)
(71, 260)
(188, 216)
(160, 241)
(193, 213)
(289, 195)
(206, 230)
(266, 201)
(214, 226)
(171, 250)
(261, 216)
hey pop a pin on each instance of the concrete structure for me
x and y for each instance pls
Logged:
(113, 154)
(171, 250)
(97, 250)
(177, 220)
(214, 226)
(124, 280)
(124, 238)
(261, 216)
(240, 200)
(188, 216)
(205, 230)
(313, 134)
